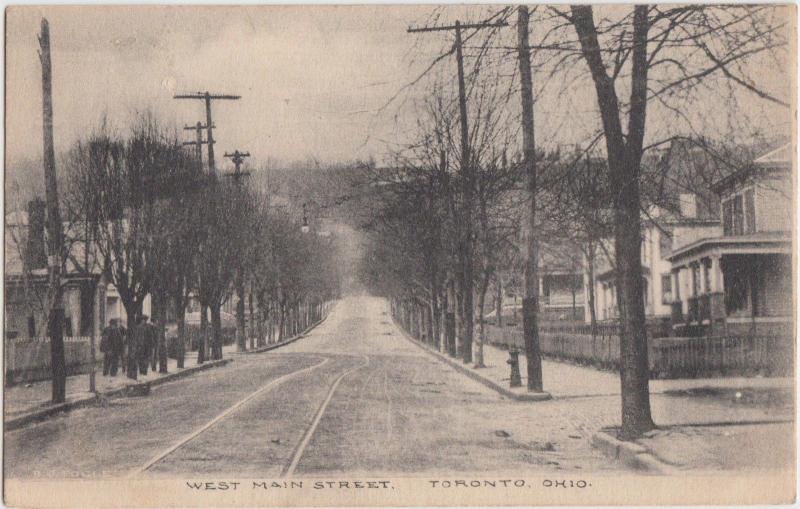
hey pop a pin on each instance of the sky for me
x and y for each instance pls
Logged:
(310, 79)
(314, 81)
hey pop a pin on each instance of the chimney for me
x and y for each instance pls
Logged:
(36, 256)
(688, 203)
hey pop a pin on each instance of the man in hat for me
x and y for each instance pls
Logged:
(133, 351)
(146, 339)
(105, 347)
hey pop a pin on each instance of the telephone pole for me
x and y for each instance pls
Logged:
(530, 301)
(466, 249)
(238, 159)
(55, 318)
(198, 128)
(241, 334)
(208, 97)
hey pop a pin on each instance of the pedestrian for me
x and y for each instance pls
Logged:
(117, 346)
(105, 347)
(145, 340)
(123, 357)
(132, 352)
(111, 345)
(153, 336)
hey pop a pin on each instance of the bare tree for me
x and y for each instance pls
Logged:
(664, 54)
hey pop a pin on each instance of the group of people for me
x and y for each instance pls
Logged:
(131, 350)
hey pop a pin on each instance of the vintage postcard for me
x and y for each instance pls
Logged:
(395, 255)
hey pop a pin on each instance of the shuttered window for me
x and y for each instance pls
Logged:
(750, 211)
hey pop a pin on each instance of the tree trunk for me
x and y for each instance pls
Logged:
(624, 159)
(433, 314)
(251, 330)
(181, 344)
(592, 304)
(450, 319)
(467, 310)
(241, 339)
(216, 325)
(161, 322)
(459, 316)
(499, 301)
(201, 345)
(481, 329)
(282, 322)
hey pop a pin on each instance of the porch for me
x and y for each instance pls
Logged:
(732, 285)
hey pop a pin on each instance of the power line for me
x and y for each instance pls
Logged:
(208, 97)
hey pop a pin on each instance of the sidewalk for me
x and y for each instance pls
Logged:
(704, 424)
(28, 402)
(565, 380)
(30, 398)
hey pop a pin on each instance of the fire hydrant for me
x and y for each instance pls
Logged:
(513, 361)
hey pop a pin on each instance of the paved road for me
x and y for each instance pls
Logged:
(353, 397)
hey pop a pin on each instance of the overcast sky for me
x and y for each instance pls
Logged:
(310, 78)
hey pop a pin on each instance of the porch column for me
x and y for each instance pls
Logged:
(717, 281)
(684, 274)
(587, 317)
(600, 300)
(676, 282)
(702, 276)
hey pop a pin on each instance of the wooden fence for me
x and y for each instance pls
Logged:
(28, 359)
(668, 357)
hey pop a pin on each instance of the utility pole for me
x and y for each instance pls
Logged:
(465, 249)
(55, 318)
(530, 301)
(241, 337)
(238, 159)
(198, 128)
(208, 97)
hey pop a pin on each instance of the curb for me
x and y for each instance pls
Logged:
(535, 396)
(39, 415)
(631, 454)
(288, 341)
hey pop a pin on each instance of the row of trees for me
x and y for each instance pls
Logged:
(139, 208)
(633, 79)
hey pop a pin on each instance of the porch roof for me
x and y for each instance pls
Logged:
(754, 243)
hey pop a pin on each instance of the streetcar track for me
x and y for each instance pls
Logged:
(191, 436)
(309, 433)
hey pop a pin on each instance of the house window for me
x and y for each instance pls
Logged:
(727, 217)
(739, 214)
(695, 280)
(666, 288)
(750, 211)
(707, 274)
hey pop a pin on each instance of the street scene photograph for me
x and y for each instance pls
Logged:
(380, 255)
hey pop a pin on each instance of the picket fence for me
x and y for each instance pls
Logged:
(693, 357)
(28, 359)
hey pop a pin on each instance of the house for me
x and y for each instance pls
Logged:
(739, 278)
(561, 290)
(89, 301)
(659, 232)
